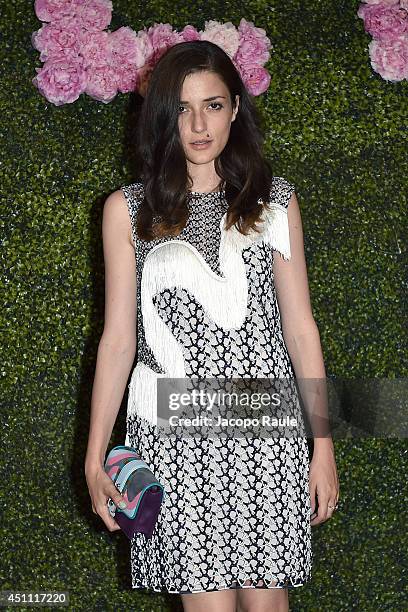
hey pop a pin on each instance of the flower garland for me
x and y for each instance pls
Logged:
(387, 22)
(81, 56)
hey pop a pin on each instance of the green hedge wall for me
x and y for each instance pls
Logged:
(336, 129)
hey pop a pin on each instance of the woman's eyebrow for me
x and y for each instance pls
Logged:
(205, 99)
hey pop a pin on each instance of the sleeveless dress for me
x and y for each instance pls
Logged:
(236, 512)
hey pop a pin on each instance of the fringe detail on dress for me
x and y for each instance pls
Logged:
(142, 398)
(177, 263)
(276, 231)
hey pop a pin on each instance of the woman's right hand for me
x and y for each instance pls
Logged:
(101, 488)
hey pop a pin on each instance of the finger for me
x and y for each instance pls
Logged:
(321, 512)
(116, 497)
(334, 506)
(319, 518)
(110, 522)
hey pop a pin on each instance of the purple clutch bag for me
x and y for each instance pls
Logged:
(140, 488)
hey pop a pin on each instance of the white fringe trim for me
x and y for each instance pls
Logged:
(276, 231)
(177, 263)
(142, 399)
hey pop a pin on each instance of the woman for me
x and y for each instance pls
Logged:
(218, 288)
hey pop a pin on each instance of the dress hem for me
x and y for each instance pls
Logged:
(290, 585)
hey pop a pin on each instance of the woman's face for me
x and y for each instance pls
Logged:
(205, 113)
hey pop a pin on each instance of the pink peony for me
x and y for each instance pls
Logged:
(225, 35)
(254, 45)
(80, 56)
(53, 10)
(58, 39)
(256, 78)
(95, 15)
(102, 83)
(95, 49)
(145, 47)
(383, 2)
(190, 33)
(162, 37)
(383, 21)
(128, 78)
(390, 58)
(61, 81)
(126, 48)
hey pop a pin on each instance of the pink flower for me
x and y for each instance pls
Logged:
(162, 37)
(190, 33)
(383, 21)
(61, 81)
(80, 56)
(383, 2)
(95, 15)
(254, 45)
(127, 77)
(53, 10)
(95, 49)
(225, 35)
(145, 47)
(390, 58)
(126, 48)
(256, 78)
(58, 39)
(102, 83)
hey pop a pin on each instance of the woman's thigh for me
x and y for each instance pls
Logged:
(213, 601)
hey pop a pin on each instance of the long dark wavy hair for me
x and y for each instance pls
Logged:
(245, 174)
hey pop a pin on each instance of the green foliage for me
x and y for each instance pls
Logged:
(335, 129)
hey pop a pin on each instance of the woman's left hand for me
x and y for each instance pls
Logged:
(323, 481)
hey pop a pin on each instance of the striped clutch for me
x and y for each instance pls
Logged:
(140, 488)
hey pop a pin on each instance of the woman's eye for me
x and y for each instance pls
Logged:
(218, 104)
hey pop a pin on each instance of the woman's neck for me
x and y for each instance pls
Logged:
(206, 187)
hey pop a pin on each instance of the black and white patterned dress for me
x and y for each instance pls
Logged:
(236, 512)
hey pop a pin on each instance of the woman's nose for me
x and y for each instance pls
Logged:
(198, 123)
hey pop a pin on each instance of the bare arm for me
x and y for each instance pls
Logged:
(299, 328)
(302, 339)
(117, 346)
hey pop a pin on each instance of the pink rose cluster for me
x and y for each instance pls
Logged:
(247, 46)
(81, 56)
(387, 22)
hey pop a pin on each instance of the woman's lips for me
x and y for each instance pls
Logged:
(204, 145)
